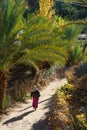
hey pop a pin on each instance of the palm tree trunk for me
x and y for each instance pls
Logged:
(3, 85)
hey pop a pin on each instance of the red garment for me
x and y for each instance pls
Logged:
(35, 102)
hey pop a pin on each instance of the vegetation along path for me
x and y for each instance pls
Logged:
(23, 117)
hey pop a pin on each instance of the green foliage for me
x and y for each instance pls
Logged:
(35, 40)
(28, 41)
(79, 122)
(26, 96)
(51, 70)
(22, 97)
(67, 89)
(36, 35)
(76, 55)
(59, 22)
(36, 32)
(79, 118)
(10, 24)
(39, 39)
(75, 50)
(6, 102)
(75, 121)
(60, 94)
(48, 53)
(70, 11)
(85, 56)
(84, 2)
(71, 31)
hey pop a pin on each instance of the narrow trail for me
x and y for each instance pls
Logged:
(23, 117)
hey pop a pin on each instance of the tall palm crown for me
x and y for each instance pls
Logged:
(42, 38)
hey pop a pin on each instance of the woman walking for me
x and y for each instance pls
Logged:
(35, 94)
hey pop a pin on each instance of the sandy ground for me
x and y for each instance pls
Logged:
(23, 117)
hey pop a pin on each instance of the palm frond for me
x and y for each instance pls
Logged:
(11, 11)
(46, 53)
(39, 32)
(76, 54)
(11, 16)
(83, 2)
(72, 31)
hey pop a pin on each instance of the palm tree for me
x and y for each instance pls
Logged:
(42, 42)
(10, 24)
(75, 50)
(27, 42)
(76, 55)
(39, 37)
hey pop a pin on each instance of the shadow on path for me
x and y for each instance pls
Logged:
(14, 119)
(44, 123)
(18, 117)
(25, 108)
(41, 124)
(31, 106)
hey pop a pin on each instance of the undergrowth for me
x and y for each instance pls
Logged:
(65, 115)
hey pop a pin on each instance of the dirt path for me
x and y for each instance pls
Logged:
(24, 117)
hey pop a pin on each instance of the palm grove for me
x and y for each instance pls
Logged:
(38, 37)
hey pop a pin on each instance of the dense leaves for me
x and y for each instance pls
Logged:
(71, 10)
(10, 25)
